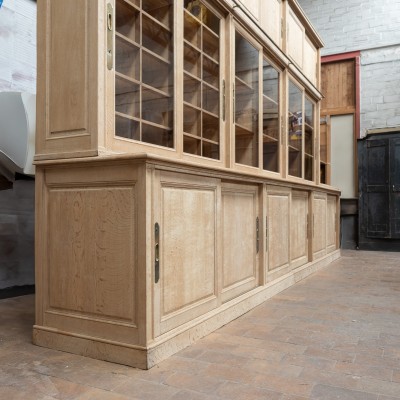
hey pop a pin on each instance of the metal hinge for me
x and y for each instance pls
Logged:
(266, 233)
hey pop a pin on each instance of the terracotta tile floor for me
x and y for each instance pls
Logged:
(335, 335)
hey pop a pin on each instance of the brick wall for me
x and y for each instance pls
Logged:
(18, 46)
(373, 27)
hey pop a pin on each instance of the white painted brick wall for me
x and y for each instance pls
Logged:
(373, 27)
(347, 25)
(380, 88)
(18, 46)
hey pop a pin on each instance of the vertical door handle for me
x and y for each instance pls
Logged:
(257, 234)
(110, 36)
(156, 252)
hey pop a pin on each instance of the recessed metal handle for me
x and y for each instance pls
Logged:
(110, 36)
(156, 252)
(257, 234)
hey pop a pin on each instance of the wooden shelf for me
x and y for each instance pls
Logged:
(192, 136)
(268, 138)
(210, 113)
(132, 3)
(241, 84)
(156, 91)
(127, 79)
(155, 56)
(241, 130)
(159, 10)
(265, 97)
(293, 149)
(127, 40)
(155, 20)
(185, 103)
(149, 123)
(122, 115)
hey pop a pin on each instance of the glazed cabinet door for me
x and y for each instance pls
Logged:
(184, 270)
(277, 230)
(241, 236)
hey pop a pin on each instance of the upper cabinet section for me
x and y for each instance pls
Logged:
(200, 81)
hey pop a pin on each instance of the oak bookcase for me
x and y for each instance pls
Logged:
(178, 178)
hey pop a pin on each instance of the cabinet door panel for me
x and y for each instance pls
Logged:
(67, 113)
(278, 215)
(186, 210)
(240, 259)
(331, 230)
(298, 229)
(271, 14)
(295, 38)
(319, 225)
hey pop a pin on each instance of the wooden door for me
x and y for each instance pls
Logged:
(240, 239)
(376, 189)
(395, 188)
(381, 189)
(185, 208)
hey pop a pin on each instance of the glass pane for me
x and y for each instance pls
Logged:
(127, 21)
(323, 141)
(323, 173)
(127, 100)
(201, 83)
(161, 10)
(295, 132)
(144, 75)
(246, 102)
(309, 138)
(270, 117)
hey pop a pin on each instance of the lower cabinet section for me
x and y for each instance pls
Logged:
(136, 259)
